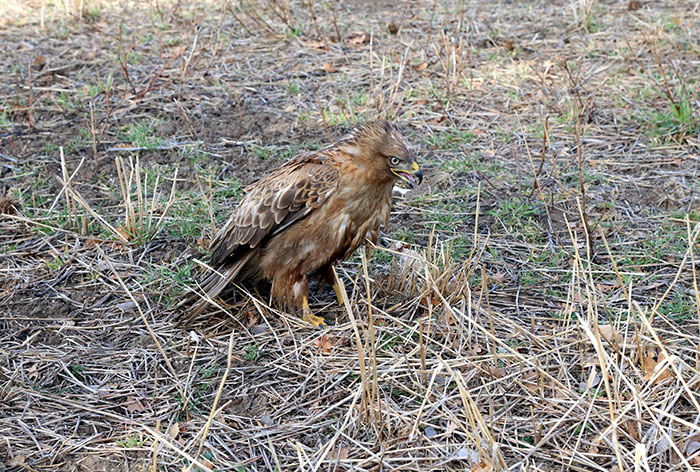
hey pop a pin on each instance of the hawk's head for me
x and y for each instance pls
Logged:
(387, 150)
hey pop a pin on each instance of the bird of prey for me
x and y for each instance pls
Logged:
(314, 210)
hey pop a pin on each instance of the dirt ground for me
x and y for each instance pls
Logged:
(532, 306)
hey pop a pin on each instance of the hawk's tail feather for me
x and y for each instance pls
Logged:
(213, 285)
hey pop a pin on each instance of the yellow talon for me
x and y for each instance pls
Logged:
(309, 317)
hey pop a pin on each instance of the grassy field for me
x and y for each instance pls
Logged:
(533, 306)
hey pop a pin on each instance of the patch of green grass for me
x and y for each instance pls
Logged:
(5, 120)
(293, 88)
(450, 140)
(459, 163)
(173, 276)
(680, 307)
(446, 215)
(252, 353)
(57, 262)
(347, 117)
(207, 371)
(190, 212)
(389, 341)
(277, 152)
(133, 441)
(50, 148)
(585, 427)
(675, 122)
(294, 31)
(531, 278)
(358, 99)
(379, 259)
(77, 371)
(516, 215)
(466, 162)
(141, 134)
(406, 235)
(65, 101)
(193, 153)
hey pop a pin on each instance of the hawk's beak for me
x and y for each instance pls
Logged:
(413, 177)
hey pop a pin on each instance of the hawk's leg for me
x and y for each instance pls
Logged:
(300, 292)
(309, 317)
(329, 277)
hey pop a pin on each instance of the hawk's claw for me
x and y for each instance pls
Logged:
(313, 320)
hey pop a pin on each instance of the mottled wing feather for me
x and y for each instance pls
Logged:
(275, 202)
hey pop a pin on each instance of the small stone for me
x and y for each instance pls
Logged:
(466, 453)
(259, 329)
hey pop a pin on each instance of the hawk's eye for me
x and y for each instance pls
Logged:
(394, 161)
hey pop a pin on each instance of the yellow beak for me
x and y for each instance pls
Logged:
(413, 177)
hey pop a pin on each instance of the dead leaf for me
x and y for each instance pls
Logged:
(133, 404)
(452, 426)
(630, 427)
(124, 233)
(421, 66)
(357, 38)
(174, 430)
(496, 372)
(19, 459)
(605, 288)
(437, 120)
(608, 333)
(328, 67)
(692, 447)
(39, 61)
(219, 418)
(251, 318)
(529, 381)
(651, 360)
(325, 344)
(482, 467)
(634, 5)
(342, 453)
(474, 349)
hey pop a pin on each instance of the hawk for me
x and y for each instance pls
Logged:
(314, 210)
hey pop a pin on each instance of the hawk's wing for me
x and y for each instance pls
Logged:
(275, 202)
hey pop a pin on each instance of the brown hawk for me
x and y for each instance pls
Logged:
(314, 210)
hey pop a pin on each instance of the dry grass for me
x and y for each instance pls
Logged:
(534, 306)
